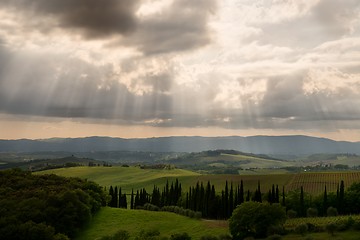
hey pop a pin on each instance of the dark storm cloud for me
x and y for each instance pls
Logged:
(183, 26)
(94, 18)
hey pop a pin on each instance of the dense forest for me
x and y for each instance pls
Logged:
(45, 206)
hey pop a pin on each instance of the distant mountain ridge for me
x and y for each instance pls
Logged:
(271, 145)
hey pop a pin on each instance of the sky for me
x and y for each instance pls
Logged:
(150, 68)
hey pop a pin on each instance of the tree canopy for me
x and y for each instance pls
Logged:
(254, 219)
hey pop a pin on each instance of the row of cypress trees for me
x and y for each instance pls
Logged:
(204, 198)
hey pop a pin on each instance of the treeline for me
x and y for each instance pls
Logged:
(45, 206)
(205, 199)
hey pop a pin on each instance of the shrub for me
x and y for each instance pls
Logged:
(291, 213)
(311, 212)
(274, 237)
(331, 228)
(273, 230)
(180, 236)
(151, 234)
(302, 229)
(356, 225)
(121, 235)
(209, 237)
(225, 237)
(331, 211)
(197, 215)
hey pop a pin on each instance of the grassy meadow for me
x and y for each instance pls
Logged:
(109, 220)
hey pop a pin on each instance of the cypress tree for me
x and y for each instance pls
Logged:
(302, 202)
(341, 197)
(226, 200)
(124, 201)
(241, 193)
(283, 203)
(277, 199)
(231, 200)
(132, 199)
(248, 196)
(120, 199)
(269, 197)
(115, 200)
(111, 193)
(273, 194)
(137, 199)
(325, 202)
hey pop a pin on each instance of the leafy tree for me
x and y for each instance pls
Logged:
(254, 219)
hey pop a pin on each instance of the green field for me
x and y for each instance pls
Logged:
(134, 177)
(110, 220)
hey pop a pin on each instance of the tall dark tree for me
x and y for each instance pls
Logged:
(283, 203)
(341, 198)
(111, 193)
(132, 199)
(302, 203)
(325, 202)
(277, 195)
(231, 200)
(248, 196)
(241, 193)
(116, 197)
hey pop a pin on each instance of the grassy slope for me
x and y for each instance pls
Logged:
(126, 177)
(133, 177)
(110, 220)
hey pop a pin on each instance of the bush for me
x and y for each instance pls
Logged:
(275, 230)
(311, 212)
(121, 235)
(291, 213)
(356, 225)
(209, 237)
(151, 207)
(225, 237)
(148, 235)
(302, 229)
(331, 228)
(197, 215)
(274, 237)
(331, 211)
(180, 236)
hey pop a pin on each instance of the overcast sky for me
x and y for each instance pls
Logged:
(144, 68)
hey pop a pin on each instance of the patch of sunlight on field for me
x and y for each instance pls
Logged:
(110, 220)
(119, 176)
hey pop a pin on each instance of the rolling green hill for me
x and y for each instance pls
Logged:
(110, 220)
(137, 178)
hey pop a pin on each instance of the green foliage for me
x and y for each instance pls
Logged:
(274, 237)
(119, 235)
(40, 206)
(302, 229)
(254, 219)
(311, 212)
(209, 237)
(331, 212)
(180, 236)
(331, 228)
(152, 234)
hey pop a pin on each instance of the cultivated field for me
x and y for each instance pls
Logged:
(134, 177)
